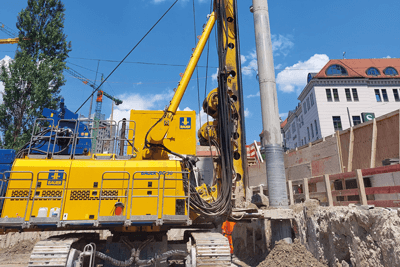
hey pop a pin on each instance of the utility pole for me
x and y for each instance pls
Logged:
(272, 139)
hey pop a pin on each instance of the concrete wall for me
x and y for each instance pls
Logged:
(257, 174)
(386, 179)
(321, 157)
(386, 142)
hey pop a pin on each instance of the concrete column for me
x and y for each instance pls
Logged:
(272, 140)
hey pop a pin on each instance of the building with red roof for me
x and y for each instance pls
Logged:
(346, 92)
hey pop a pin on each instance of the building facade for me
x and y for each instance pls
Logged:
(343, 94)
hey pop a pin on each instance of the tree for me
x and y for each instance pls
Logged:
(34, 78)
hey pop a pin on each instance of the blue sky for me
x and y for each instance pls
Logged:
(306, 34)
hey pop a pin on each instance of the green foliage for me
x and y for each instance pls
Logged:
(33, 79)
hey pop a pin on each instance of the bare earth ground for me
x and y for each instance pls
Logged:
(290, 255)
(283, 255)
(16, 256)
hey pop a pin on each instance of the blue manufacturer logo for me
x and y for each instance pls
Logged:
(185, 123)
(148, 173)
(55, 177)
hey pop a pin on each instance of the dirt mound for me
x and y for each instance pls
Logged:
(290, 255)
(23, 247)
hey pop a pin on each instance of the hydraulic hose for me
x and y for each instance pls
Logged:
(115, 262)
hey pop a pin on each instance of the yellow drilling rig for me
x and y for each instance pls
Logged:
(149, 184)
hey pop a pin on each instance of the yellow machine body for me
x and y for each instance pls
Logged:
(74, 187)
(180, 138)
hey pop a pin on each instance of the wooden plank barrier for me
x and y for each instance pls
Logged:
(331, 194)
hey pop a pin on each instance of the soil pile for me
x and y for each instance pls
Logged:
(350, 236)
(24, 247)
(290, 255)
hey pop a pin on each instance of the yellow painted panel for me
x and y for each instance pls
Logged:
(14, 208)
(180, 138)
(39, 165)
(145, 202)
(83, 204)
(84, 173)
(145, 171)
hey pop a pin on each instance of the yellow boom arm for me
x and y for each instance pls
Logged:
(159, 131)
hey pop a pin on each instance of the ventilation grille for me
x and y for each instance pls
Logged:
(85, 195)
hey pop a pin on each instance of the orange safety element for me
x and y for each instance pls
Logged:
(99, 96)
(227, 229)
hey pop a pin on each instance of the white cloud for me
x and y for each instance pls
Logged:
(255, 95)
(4, 62)
(283, 115)
(294, 78)
(251, 67)
(388, 57)
(243, 59)
(140, 102)
(247, 113)
(281, 44)
(215, 75)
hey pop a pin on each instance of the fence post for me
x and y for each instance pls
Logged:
(351, 146)
(290, 185)
(306, 191)
(328, 190)
(361, 188)
(373, 146)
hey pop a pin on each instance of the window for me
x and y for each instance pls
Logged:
(378, 95)
(373, 72)
(308, 103)
(312, 99)
(328, 95)
(348, 95)
(355, 94)
(304, 107)
(390, 71)
(384, 95)
(293, 127)
(356, 120)
(308, 132)
(334, 70)
(302, 142)
(305, 141)
(335, 95)
(316, 127)
(312, 131)
(337, 123)
(302, 121)
(396, 95)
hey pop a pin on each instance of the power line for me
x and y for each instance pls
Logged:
(139, 62)
(170, 65)
(81, 78)
(129, 53)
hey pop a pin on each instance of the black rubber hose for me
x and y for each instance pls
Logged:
(115, 262)
(165, 255)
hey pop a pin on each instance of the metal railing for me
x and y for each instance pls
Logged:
(71, 137)
(63, 180)
(6, 182)
(155, 177)
(126, 196)
(125, 137)
(36, 137)
(186, 196)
